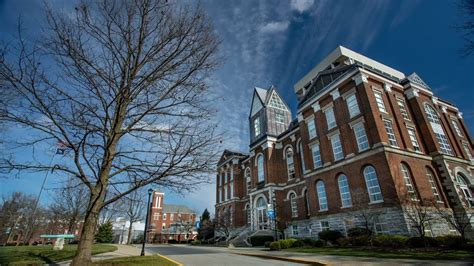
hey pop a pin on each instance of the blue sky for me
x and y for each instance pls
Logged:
(276, 42)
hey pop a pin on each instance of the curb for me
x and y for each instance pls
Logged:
(166, 258)
(307, 262)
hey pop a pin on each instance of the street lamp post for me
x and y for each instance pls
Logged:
(145, 232)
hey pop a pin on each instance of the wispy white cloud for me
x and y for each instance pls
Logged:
(301, 5)
(274, 26)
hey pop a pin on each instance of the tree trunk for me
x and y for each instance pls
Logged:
(129, 233)
(84, 247)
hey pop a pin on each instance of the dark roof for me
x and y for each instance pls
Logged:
(169, 208)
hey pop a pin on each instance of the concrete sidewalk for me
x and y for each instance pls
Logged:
(122, 251)
(316, 259)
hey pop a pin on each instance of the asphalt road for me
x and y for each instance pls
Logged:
(215, 256)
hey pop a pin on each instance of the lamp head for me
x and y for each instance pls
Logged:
(150, 191)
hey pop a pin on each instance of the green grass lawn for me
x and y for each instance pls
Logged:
(39, 255)
(395, 254)
(137, 260)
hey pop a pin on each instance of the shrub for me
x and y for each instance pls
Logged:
(104, 233)
(267, 244)
(358, 231)
(195, 242)
(275, 245)
(317, 243)
(450, 241)
(291, 241)
(260, 240)
(299, 243)
(330, 235)
(284, 244)
(416, 242)
(390, 241)
(360, 241)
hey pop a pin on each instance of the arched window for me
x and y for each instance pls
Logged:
(290, 165)
(306, 202)
(433, 118)
(248, 179)
(464, 186)
(431, 114)
(300, 147)
(373, 188)
(323, 200)
(408, 182)
(434, 188)
(249, 214)
(294, 207)
(261, 207)
(345, 191)
(261, 173)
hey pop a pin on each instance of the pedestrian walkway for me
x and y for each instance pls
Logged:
(122, 251)
(317, 259)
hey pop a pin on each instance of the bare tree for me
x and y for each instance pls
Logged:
(69, 205)
(123, 85)
(134, 206)
(15, 214)
(366, 213)
(419, 214)
(466, 8)
(223, 224)
(459, 218)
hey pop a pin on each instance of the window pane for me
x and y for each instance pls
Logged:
(391, 135)
(331, 120)
(372, 184)
(256, 125)
(456, 127)
(316, 156)
(361, 137)
(403, 110)
(290, 163)
(352, 105)
(337, 148)
(434, 188)
(345, 192)
(321, 190)
(408, 183)
(261, 177)
(379, 101)
(312, 129)
(413, 139)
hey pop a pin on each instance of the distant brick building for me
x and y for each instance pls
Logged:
(366, 138)
(170, 222)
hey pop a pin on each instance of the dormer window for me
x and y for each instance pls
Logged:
(256, 126)
(290, 163)
(279, 118)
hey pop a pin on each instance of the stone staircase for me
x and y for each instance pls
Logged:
(243, 239)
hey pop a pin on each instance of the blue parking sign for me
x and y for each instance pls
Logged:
(198, 224)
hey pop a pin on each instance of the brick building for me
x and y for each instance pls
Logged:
(169, 221)
(367, 138)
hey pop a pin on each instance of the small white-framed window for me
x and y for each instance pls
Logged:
(337, 147)
(303, 165)
(231, 173)
(294, 230)
(279, 118)
(408, 182)
(361, 136)
(226, 196)
(403, 110)
(248, 180)
(444, 145)
(379, 101)
(256, 126)
(373, 188)
(156, 216)
(322, 198)
(311, 129)
(290, 164)
(294, 206)
(434, 188)
(431, 115)
(344, 191)
(316, 156)
(172, 217)
(456, 127)
(467, 150)
(380, 225)
(164, 216)
(231, 189)
(330, 118)
(325, 225)
(352, 105)
(260, 170)
(413, 139)
(464, 187)
(390, 134)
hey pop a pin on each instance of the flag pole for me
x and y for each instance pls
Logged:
(27, 238)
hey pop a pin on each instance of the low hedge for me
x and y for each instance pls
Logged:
(299, 243)
(257, 241)
(450, 241)
(195, 242)
(330, 235)
(358, 231)
(275, 245)
(390, 241)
